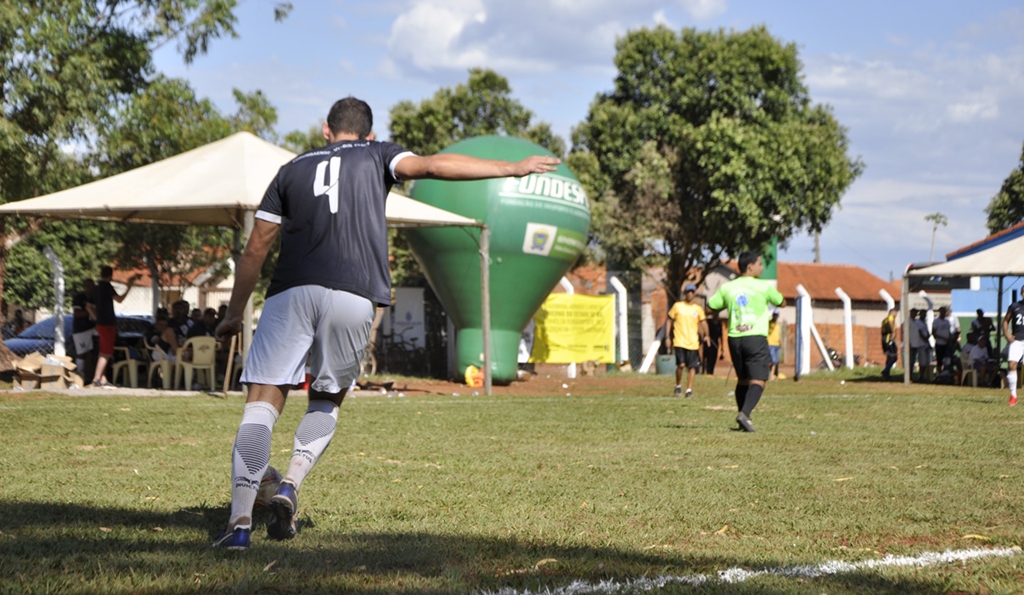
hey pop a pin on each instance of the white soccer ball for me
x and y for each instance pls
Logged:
(268, 487)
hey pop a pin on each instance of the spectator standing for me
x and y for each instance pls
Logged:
(774, 343)
(982, 325)
(102, 311)
(685, 329)
(942, 331)
(747, 299)
(82, 326)
(919, 346)
(331, 273)
(713, 348)
(889, 344)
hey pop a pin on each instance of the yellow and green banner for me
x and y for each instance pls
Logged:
(574, 328)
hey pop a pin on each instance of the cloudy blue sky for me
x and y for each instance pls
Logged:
(932, 92)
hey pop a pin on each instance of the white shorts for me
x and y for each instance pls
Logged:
(83, 342)
(326, 327)
(1016, 351)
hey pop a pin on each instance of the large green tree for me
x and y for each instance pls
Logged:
(708, 145)
(483, 105)
(1006, 208)
(162, 120)
(64, 65)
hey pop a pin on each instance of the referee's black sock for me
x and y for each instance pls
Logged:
(753, 396)
(741, 395)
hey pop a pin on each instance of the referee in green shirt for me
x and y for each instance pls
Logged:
(748, 299)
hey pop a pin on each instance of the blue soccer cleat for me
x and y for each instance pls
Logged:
(284, 505)
(234, 540)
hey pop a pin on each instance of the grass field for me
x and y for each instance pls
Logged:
(615, 482)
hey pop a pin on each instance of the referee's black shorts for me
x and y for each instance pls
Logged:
(750, 357)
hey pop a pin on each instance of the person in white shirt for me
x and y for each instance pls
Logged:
(920, 349)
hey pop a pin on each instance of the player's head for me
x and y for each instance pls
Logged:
(350, 115)
(893, 311)
(746, 259)
(106, 272)
(981, 313)
(689, 291)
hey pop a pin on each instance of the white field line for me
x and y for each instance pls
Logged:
(738, 575)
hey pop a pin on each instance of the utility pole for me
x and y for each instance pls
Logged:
(937, 219)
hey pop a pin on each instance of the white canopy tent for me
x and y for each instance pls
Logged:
(222, 184)
(1001, 260)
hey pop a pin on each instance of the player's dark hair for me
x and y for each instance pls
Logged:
(106, 271)
(350, 115)
(746, 259)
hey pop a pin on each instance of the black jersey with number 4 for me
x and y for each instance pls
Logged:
(1016, 314)
(330, 204)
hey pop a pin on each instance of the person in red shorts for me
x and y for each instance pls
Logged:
(102, 310)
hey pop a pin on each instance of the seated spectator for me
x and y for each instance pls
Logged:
(978, 354)
(180, 321)
(197, 315)
(206, 326)
(165, 340)
(979, 360)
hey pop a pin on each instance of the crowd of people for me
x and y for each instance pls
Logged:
(94, 328)
(948, 360)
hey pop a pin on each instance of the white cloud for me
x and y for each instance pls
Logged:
(704, 9)
(968, 112)
(525, 36)
(427, 35)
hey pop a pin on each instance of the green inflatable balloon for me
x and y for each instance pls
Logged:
(538, 225)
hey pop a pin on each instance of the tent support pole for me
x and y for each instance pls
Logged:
(249, 221)
(904, 312)
(485, 302)
(999, 317)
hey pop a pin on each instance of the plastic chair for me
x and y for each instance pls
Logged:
(163, 366)
(204, 359)
(968, 372)
(128, 368)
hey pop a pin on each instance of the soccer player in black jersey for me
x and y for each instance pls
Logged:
(331, 274)
(1013, 330)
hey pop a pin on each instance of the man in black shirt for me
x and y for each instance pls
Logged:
(1013, 330)
(102, 311)
(82, 326)
(332, 269)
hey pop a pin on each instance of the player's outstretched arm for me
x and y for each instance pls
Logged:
(256, 250)
(450, 166)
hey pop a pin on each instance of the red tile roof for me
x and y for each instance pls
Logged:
(821, 281)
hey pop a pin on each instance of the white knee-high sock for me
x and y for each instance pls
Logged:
(1011, 379)
(312, 437)
(249, 459)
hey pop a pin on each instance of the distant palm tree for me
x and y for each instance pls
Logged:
(937, 219)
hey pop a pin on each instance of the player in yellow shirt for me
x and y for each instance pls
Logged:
(685, 329)
(774, 343)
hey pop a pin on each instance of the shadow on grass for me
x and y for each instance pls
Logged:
(73, 548)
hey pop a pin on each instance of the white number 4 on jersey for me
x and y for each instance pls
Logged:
(331, 188)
